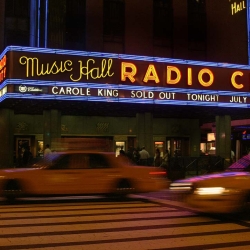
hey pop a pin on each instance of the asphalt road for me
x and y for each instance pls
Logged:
(147, 221)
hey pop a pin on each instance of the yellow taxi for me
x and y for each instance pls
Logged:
(80, 173)
(222, 192)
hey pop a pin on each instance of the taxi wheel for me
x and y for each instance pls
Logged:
(12, 190)
(123, 188)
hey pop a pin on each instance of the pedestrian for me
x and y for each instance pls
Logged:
(47, 151)
(165, 160)
(232, 156)
(136, 156)
(123, 157)
(122, 152)
(157, 158)
(144, 156)
(27, 156)
(130, 153)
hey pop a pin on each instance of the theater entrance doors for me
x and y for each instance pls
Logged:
(178, 146)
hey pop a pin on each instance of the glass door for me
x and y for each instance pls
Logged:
(119, 147)
(160, 146)
(178, 146)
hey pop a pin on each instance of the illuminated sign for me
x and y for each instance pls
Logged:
(2, 68)
(237, 6)
(91, 76)
(30, 89)
(136, 72)
(113, 93)
(91, 70)
(246, 137)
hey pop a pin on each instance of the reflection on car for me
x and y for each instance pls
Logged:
(80, 173)
(223, 192)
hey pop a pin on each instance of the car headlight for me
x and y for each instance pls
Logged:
(181, 186)
(214, 191)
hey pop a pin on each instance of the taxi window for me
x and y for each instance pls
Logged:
(71, 161)
(78, 161)
(98, 161)
(62, 162)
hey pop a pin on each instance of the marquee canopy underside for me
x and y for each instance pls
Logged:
(205, 114)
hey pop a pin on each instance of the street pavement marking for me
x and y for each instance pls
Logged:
(120, 225)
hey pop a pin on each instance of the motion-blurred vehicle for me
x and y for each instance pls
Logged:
(80, 173)
(222, 192)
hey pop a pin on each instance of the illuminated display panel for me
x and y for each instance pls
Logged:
(123, 93)
(72, 75)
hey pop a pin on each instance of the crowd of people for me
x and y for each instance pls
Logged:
(134, 156)
(142, 157)
(25, 156)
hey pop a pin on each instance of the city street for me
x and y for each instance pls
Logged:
(150, 221)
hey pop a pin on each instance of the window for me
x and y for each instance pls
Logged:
(163, 22)
(114, 20)
(197, 28)
(17, 22)
(66, 26)
(75, 24)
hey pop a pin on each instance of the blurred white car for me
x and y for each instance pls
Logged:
(224, 192)
(80, 173)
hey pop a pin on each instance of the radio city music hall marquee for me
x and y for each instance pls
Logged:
(123, 78)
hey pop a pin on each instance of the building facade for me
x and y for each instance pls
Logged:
(140, 42)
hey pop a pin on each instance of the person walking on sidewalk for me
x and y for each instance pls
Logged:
(144, 156)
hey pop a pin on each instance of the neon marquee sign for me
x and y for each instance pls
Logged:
(43, 67)
(112, 93)
(3, 68)
(90, 76)
(90, 70)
